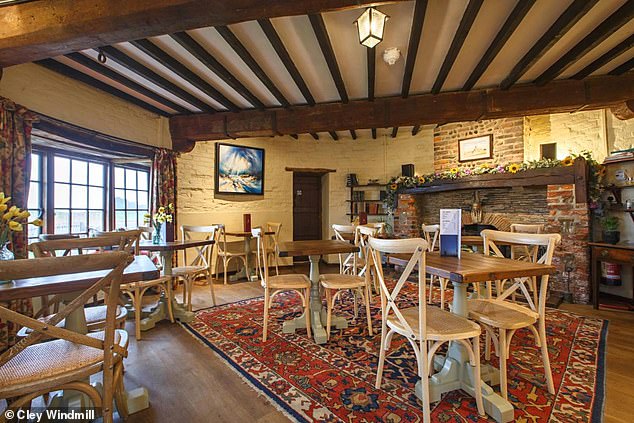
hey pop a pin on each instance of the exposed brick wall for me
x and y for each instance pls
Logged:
(508, 141)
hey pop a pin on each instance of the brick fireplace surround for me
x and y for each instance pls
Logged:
(548, 205)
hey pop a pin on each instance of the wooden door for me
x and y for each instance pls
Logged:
(306, 206)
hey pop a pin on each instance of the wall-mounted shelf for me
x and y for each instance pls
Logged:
(358, 202)
(368, 214)
(364, 201)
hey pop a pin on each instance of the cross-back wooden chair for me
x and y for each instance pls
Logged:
(423, 323)
(274, 247)
(431, 234)
(336, 284)
(30, 369)
(347, 262)
(274, 285)
(226, 252)
(525, 253)
(199, 265)
(506, 316)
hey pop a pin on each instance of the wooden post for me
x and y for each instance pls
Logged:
(581, 168)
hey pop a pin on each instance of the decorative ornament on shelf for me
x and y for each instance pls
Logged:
(370, 26)
(164, 214)
(391, 55)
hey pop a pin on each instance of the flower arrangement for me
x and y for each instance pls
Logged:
(13, 220)
(597, 172)
(163, 214)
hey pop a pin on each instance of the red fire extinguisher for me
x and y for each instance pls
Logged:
(611, 274)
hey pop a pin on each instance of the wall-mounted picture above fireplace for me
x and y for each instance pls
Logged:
(478, 148)
(239, 169)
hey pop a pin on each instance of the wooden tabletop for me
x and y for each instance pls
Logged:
(244, 234)
(472, 267)
(621, 245)
(141, 268)
(147, 245)
(316, 247)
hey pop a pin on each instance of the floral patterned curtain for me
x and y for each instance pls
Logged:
(163, 178)
(15, 170)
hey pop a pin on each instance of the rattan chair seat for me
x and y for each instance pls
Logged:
(441, 324)
(288, 281)
(499, 314)
(143, 284)
(187, 270)
(339, 281)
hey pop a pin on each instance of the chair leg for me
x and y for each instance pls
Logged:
(487, 346)
(211, 287)
(189, 286)
(170, 296)
(119, 392)
(267, 301)
(354, 302)
(545, 358)
(424, 371)
(277, 268)
(477, 378)
(138, 305)
(382, 348)
(329, 304)
(502, 354)
(224, 268)
(307, 310)
(367, 309)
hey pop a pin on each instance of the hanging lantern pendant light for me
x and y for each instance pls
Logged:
(370, 26)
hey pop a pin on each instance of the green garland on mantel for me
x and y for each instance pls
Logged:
(400, 183)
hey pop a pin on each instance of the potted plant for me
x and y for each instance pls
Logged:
(610, 225)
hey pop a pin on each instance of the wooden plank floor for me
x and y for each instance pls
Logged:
(189, 383)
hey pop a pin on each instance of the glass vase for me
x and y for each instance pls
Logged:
(6, 254)
(156, 235)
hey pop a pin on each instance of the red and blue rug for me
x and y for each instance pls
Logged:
(334, 382)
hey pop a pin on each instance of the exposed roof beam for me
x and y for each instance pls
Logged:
(510, 25)
(620, 48)
(415, 130)
(412, 47)
(458, 40)
(246, 57)
(95, 83)
(353, 134)
(294, 136)
(566, 20)
(394, 132)
(373, 133)
(315, 135)
(621, 69)
(522, 100)
(319, 27)
(182, 71)
(134, 66)
(334, 135)
(281, 51)
(207, 59)
(117, 77)
(606, 28)
(43, 29)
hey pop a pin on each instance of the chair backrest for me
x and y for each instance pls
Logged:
(124, 241)
(262, 256)
(129, 239)
(361, 236)
(532, 242)
(430, 233)
(345, 233)
(203, 254)
(113, 263)
(146, 232)
(416, 247)
(274, 227)
(342, 230)
(527, 229)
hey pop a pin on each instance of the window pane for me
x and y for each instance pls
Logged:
(80, 172)
(79, 221)
(62, 222)
(131, 220)
(141, 217)
(96, 198)
(130, 198)
(95, 173)
(119, 220)
(35, 167)
(119, 199)
(143, 180)
(96, 220)
(130, 179)
(79, 198)
(119, 179)
(34, 195)
(34, 231)
(143, 200)
(62, 196)
(62, 169)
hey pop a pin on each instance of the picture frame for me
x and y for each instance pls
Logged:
(239, 170)
(475, 148)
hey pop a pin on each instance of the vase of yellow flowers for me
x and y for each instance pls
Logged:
(13, 220)
(164, 214)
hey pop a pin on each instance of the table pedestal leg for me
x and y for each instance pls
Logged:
(455, 372)
(247, 271)
(318, 312)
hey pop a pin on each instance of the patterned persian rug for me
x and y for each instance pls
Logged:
(335, 382)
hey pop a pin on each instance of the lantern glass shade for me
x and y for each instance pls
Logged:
(370, 25)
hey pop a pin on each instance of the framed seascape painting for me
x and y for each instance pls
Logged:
(239, 169)
(477, 148)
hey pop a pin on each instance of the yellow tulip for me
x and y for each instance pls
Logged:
(3, 208)
(3, 199)
(15, 226)
(161, 210)
(23, 215)
(37, 222)
(8, 215)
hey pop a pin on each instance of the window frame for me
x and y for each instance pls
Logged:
(136, 168)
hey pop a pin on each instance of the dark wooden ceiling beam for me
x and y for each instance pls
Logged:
(43, 29)
(460, 106)
(87, 62)
(207, 59)
(606, 28)
(278, 46)
(574, 12)
(315, 135)
(624, 111)
(334, 135)
(319, 27)
(614, 52)
(412, 46)
(624, 67)
(415, 130)
(95, 83)
(353, 134)
(458, 40)
(250, 61)
(514, 19)
(373, 133)
(394, 132)
(144, 72)
(182, 71)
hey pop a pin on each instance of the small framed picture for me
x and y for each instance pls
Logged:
(477, 148)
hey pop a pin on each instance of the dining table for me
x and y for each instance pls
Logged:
(314, 249)
(166, 250)
(247, 272)
(70, 285)
(454, 369)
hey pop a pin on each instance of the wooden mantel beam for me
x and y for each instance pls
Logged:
(42, 29)
(521, 100)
